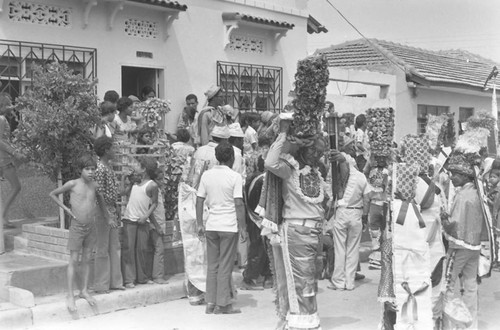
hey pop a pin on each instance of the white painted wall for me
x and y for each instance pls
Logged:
(188, 57)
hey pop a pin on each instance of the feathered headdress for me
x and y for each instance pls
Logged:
(467, 153)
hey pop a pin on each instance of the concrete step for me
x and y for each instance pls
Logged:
(50, 310)
(40, 276)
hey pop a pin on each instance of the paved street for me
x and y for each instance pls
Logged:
(339, 310)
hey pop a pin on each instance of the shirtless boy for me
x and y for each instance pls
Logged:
(82, 230)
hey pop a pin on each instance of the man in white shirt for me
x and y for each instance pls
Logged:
(222, 190)
(347, 225)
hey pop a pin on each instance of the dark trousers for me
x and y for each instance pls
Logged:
(257, 258)
(221, 252)
(134, 252)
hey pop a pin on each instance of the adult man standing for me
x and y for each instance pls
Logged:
(347, 225)
(222, 191)
(463, 230)
(209, 116)
(189, 117)
(303, 192)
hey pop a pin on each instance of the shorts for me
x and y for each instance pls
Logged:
(81, 235)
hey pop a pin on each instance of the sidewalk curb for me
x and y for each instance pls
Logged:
(55, 312)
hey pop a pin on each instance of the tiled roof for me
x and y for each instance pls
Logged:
(163, 3)
(256, 19)
(453, 68)
(313, 26)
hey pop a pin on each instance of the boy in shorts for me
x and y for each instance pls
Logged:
(84, 199)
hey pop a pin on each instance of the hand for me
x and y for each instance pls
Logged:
(243, 236)
(159, 230)
(142, 221)
(364, 221)
(201, 231)
(112, 224)
(336, 156)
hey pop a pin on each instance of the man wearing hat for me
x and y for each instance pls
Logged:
(236, 136)
(347, 224)
(463, 231)
(207, 152)
(206, 119)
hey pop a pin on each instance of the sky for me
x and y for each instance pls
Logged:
(471, 25)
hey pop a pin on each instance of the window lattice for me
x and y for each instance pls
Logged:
(34, 13)
(246, 44)
(251, 87)
(141, 28)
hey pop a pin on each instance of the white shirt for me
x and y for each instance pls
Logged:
(250, 138)
(220, 186)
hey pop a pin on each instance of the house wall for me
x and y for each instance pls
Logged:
(403, 99)
(187, 57)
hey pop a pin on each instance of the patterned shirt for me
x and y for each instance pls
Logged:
(108, 186)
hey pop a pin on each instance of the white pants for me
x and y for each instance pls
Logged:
(347, 229)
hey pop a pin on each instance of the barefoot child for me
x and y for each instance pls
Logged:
(82, 231)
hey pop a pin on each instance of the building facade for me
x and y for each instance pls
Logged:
(250, 48)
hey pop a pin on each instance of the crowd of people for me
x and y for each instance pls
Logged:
(256, 185)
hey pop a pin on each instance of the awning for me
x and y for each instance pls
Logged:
(257, 20)
(162, 3)
(313, 26)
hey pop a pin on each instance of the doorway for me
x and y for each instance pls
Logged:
(135, 78)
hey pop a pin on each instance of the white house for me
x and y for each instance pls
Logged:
(414, 81)
(250, 48)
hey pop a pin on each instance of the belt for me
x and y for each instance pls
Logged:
(354, 207)
(306, 223)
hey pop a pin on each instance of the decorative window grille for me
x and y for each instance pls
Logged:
(246, 44)
(251, 87)
(35, 13)
(141, 28)
(18, 57)
(424, 110)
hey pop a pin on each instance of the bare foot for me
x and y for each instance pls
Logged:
(85, 295)
(70, 304)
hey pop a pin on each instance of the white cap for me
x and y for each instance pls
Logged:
(220, 132)
(235, 130)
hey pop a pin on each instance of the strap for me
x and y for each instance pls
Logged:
(404, 210)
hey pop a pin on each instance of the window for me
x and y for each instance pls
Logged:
(251, 87)
(17, 58)
(464, 114)
(424, 110)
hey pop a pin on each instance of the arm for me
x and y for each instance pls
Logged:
(199, 215)
(104, 210)
(273, 162)
(204, 130)
(152, 192)
(68, 186)
(155, 223)
(240, 216)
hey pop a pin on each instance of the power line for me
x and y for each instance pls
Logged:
(365, 38)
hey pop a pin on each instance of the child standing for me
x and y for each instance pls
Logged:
(157, 231)
(107, 272)
(142, 202)
(82, 231)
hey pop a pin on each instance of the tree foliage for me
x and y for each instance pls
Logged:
(57, 113)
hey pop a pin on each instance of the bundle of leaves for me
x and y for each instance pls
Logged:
(172, 173)
(153, 111)
(57, 114)
(311, 80)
